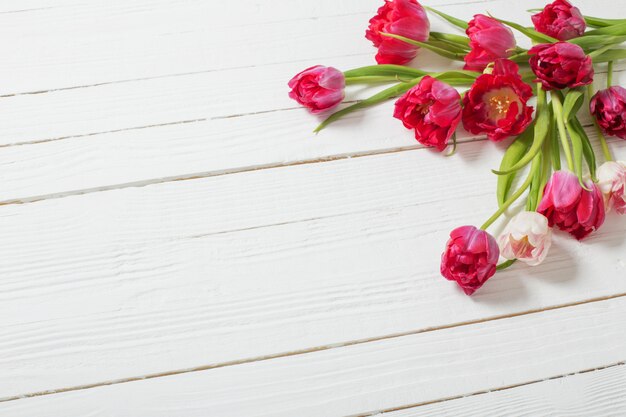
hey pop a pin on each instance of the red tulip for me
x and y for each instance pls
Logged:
(561, 65)
(433, 109)
(560, 20)
(400, 17)
(496, 103)
(609, 108)
(489, 40)
(570, 207)
(318, 88)
(470, 258)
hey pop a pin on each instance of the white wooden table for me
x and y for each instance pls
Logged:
(176, 242)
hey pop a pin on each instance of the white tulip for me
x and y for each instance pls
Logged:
(612, 183)
(527, 238)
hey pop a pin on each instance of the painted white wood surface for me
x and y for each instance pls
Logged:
(144, 275)
(167, 270)
(368, 378)
(595, 393)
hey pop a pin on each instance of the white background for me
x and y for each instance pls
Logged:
(174, 241)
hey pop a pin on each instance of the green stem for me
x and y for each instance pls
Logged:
(608, 156)
(557, 106)
(609, 77)
(511, 199)
(372, 79)
(505, 265)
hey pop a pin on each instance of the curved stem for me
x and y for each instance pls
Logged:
(511, 199)
(557, 106)
(505, 265)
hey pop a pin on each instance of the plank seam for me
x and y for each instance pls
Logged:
(329, 347)
(487, 391)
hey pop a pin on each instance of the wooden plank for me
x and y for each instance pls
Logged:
(595, 393)
(139, 157)
(364, 379)
(132, 105)
(193, 273)
(72, 44)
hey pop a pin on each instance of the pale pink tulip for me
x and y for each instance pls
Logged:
(612, 183)
(527, 237)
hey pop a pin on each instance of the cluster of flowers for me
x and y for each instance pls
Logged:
(502, 77)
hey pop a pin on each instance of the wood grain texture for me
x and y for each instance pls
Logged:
(203, 95)
(211, 147)
(194, 273)
(596, 393)
(67, 44)
(365, 379)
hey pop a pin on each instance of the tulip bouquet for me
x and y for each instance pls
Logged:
(563, 186)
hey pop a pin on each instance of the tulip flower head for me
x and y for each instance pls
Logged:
(470, 258)
(489, 41)
(609, 109)
(433, 109)
(318, 88)
(561, 65)
(560, 20)
(612, 183)
(570, 207)
(406, 18)
(496, 104)
(527, 237)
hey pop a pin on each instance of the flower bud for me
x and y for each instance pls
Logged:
(527, 237)
(433, 109)
(612, 183)
(609, 109)
(318, 88)
(470, 258)
(406, 18)
(489, 41)
(560, 20)
(570, 207)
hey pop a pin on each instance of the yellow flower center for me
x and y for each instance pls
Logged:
(499, 101)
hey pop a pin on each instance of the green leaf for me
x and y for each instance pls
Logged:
(573, 101)
(555, 147)
(517, 149)
(599, 22)
(384, 70)
(610, 55)
(456, 22)
(521, 58)
(588, 153)
(589, 43)
(577, 152)
(445, 53)
(458, 39)
(384, 95)
(615, 30)
(541, 128)
(531, 33)
(448, 46)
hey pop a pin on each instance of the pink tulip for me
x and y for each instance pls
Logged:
(527, 237)
(318, 88)
(570, 207)
(561, 65)
(489, 41)
(470, 258)
(433, 109)
(560, 20)
(609, 108)
(612, 183)
(399, 17)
